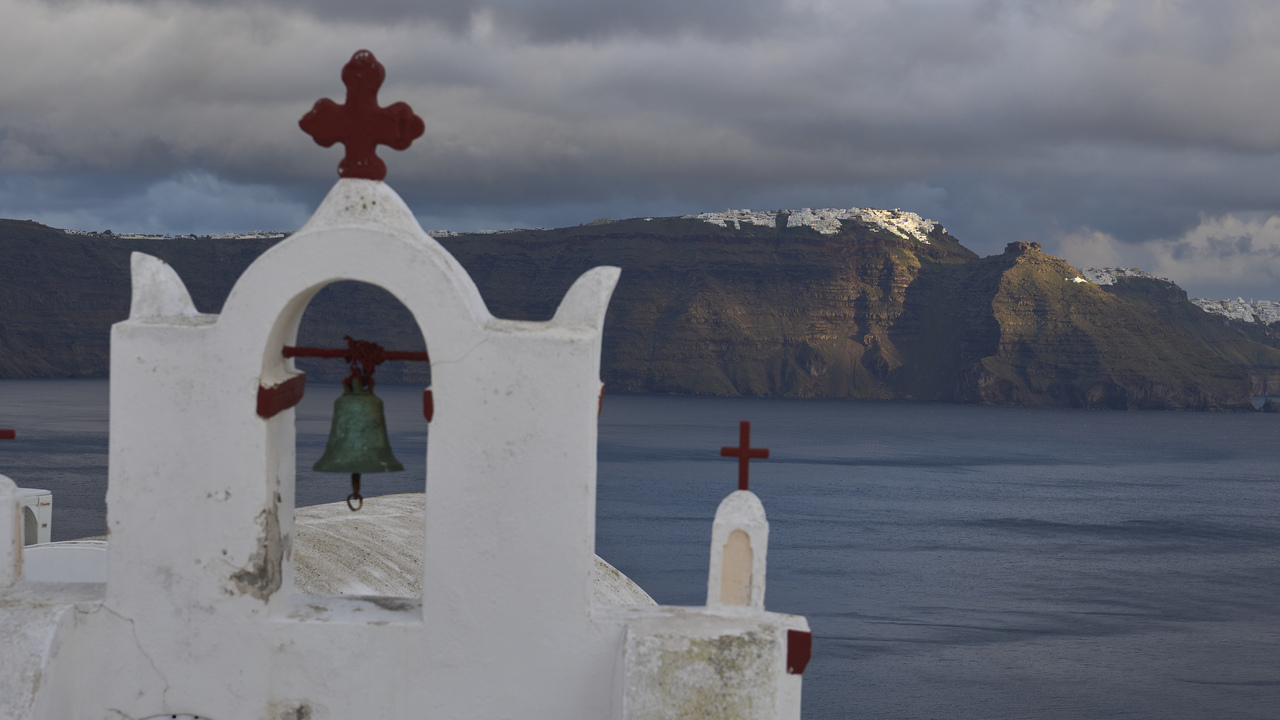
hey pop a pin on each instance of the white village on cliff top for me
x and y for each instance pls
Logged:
(906, 225)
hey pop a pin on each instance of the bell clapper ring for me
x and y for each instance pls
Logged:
(355, 493)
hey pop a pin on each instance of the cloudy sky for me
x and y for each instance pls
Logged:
(1136, 132)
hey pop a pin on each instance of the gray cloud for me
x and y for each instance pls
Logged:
(190, 202)
(547, 21)
(1003, 120)
(1221, 256)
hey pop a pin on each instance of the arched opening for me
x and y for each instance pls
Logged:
(377, 550)
(735, 570)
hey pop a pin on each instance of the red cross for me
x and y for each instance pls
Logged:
(360, 124)
(744, 452)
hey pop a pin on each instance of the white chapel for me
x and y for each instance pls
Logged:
(198, 609)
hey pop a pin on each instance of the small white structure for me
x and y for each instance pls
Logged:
(37, 515)
(200, 614)
(739, 545)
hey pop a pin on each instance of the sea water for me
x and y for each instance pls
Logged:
(953, 561)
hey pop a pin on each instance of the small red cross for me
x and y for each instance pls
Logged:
(744, 452)
(360, 124)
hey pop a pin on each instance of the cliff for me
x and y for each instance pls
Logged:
(720, 310)
(1251, 346)
(1019, 329)
(846, 306)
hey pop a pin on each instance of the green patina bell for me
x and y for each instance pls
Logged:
(358, 440)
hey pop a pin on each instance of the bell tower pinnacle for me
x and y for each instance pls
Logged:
(360, 124)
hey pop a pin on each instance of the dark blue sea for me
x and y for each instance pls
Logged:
(953, 561)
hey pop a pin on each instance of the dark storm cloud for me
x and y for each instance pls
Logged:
(190, 202)
(1097, 121)
(548, 20)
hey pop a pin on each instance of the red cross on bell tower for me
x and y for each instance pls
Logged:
(360, 124)
(744, 452)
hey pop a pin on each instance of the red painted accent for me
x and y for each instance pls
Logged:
(8, 434)
(360, 124)
(290, 351)
(744, 452)
(274, 400)
(799, 648)
(428, 405)
(600, 407)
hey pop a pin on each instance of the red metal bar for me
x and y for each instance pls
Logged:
(407, 356)
(8, 434)
(291, 351)
(362, 356)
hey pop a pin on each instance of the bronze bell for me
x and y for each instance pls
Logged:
(358, 441)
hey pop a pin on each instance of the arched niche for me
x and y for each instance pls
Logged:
(282, 436)
(362, 233)
(376, 550)
(735, 572)
(365, 312)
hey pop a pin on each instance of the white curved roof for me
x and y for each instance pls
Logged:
(741, 507)
(378, 551)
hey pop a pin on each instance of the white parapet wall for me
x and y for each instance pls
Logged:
(37, 515)
(11, 540)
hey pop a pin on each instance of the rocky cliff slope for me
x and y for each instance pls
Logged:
(1023, 328)
(813, 304)
(753, 310)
